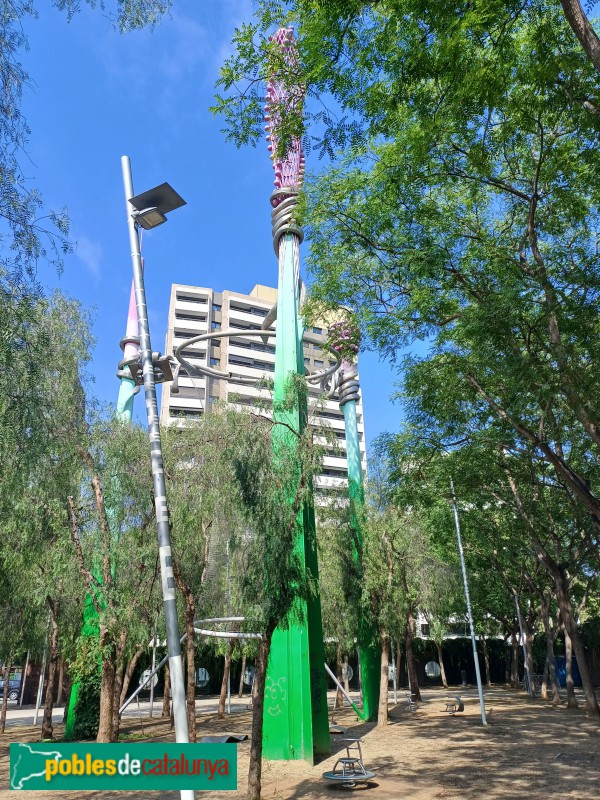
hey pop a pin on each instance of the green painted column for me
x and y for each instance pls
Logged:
(296, 724)
(127, 391)
(369, 653)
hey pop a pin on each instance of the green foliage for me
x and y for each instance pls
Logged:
(85, 671)
(126, 15)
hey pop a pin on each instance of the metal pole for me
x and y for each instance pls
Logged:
(468, 599)
(158, 479)
(530, 688)
(153, 668)
(38, 701)
(24, 679)
(360, 713)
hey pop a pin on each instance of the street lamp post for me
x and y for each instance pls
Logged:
(160, 494)
(468, 599)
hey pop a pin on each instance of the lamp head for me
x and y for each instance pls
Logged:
(151, 207)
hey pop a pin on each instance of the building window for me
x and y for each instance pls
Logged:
(307, 362)
(213, 399)
(216, 326)
(215, 362)
(318, 363)
(216, 307)
(425, 629)
(318, 331)
(187, 298)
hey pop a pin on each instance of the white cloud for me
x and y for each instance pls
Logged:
(90, 254)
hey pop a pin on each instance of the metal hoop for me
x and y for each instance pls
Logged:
(315, 377)
(223, 634)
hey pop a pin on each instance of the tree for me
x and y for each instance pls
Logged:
(29, 234)
(470, 240)
(525, 533)
(205, 509)
(274, 580)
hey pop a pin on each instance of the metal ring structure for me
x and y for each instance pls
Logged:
(284, 201)
(314, 377)
(348, 385)
(347, 781)
(223, 634)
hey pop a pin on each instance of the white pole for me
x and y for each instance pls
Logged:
(24, 679)
(158, 479)
(153, 668)
(468, 599)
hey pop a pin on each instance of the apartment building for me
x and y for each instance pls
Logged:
(195, 310)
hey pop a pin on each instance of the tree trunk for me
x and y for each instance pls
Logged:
(241, 689)
(224, 682)
(47, 728)
(346, 673)
(550, 662)
(544, 686)
(410, 661)
(61, 679)
(398, 662)
(571, 699)
(382, 714)
(486, 661)
(7, 666)
(116, 723)
(529, 655)
(583, 30)
(128, 674)
(514, 669)
(119, 673)
(572, 630)
(166, 708)
(441, 662)
(107, 687)
(258, 703)
(339, 697)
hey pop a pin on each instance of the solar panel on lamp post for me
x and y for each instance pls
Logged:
(150, 209)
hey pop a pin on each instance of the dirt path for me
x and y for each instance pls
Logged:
(529, 750)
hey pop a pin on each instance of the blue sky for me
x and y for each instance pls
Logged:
(95, 95)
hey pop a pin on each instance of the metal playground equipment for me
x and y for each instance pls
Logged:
(349, 770)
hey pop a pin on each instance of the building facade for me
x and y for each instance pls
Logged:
(195, 310)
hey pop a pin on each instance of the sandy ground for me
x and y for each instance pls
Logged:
(528, 750)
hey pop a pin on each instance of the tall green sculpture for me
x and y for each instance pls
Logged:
(344, 338)
(296, 722)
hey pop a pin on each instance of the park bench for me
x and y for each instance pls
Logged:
(454, 705)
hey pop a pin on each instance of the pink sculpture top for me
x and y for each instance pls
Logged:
(131, 342)
(283, 99)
